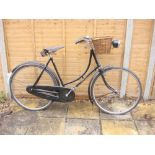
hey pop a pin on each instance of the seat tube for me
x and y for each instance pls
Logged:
(41, 74)
(55, 67)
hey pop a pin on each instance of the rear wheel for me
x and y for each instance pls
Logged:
(25, 75)
(108, 95)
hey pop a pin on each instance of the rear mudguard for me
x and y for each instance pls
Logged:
(42, 65)
(52, 73)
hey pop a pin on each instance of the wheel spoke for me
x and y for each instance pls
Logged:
(104, 95)
(19, 85)
(110, 102)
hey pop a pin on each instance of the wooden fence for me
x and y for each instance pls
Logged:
(1, 79)
(24, 40)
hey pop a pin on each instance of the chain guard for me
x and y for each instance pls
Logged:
(55, 93)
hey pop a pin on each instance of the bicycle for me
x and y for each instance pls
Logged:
(49, 86)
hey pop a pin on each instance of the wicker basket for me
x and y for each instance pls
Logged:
(102, 45)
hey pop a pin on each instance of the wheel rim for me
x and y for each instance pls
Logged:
(24, 76)
(113, 103)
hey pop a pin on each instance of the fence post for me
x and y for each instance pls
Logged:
(128, 42)
(150, 67)
(4, 59)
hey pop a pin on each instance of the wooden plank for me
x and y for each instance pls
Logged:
(94, 33)
(19, 41)
(33, 39)
(64, 44)
(152, 91)
(150, 68)
(128, 41)
(1, 78)
(4, 59)
(140, 52)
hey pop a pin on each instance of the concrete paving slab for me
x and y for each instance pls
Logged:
(146, 127)
(17, 123)
(47, 126)
(56, 109)
(82, 127)
(127, 116)
(30, 103)
(116, 127)
(144, 111)
(83, 110)
(78, 118)
(13, 130)
(15, 107)
(20, 118)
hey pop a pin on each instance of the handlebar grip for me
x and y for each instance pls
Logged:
(79, 41)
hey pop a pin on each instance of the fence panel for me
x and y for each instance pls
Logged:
(26, 38)
(141, 43)
(152, 93)
(1, 78)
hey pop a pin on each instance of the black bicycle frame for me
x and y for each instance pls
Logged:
(98, 66)
(92, 54)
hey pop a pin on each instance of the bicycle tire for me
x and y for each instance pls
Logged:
(92, 84)
(29, 64)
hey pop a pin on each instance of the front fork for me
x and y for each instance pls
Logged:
(101, 71)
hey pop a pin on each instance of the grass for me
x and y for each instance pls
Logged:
(2, 97)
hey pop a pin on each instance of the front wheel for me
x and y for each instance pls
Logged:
(107, 90)
(25, 75)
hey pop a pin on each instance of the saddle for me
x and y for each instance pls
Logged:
(50, 50)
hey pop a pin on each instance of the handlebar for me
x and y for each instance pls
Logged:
(86, 39)
(78, 41)
(115, 42)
